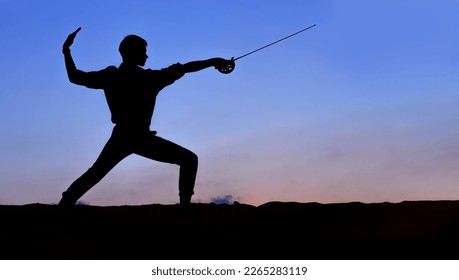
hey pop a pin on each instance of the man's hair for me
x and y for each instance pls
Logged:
(131, 45)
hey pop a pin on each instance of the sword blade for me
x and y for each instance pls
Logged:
(275, 42)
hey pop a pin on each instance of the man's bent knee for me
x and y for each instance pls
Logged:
(189, 159)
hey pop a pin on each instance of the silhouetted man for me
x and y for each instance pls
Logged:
(131, 92)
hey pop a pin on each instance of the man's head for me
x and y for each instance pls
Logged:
(133, 49)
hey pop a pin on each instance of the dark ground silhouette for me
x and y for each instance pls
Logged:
(275, 230)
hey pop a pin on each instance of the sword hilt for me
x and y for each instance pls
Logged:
(228, 68)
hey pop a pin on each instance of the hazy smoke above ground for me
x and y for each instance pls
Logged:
(227, 199)
(82, 202)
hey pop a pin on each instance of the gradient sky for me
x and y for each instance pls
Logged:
(362, 107)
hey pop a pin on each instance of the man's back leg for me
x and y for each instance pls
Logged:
(114, 151)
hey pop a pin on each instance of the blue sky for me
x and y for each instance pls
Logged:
(362, 107)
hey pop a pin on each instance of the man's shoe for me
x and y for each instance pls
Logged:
(185, 199)
(65, 201)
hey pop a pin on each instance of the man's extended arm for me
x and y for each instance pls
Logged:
(194, 66)
(75, 75)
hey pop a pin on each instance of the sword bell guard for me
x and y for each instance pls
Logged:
(228, 68)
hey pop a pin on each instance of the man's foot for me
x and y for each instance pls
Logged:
(66, 201)
(185, 199)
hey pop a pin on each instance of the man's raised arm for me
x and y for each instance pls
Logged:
(75, 75)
